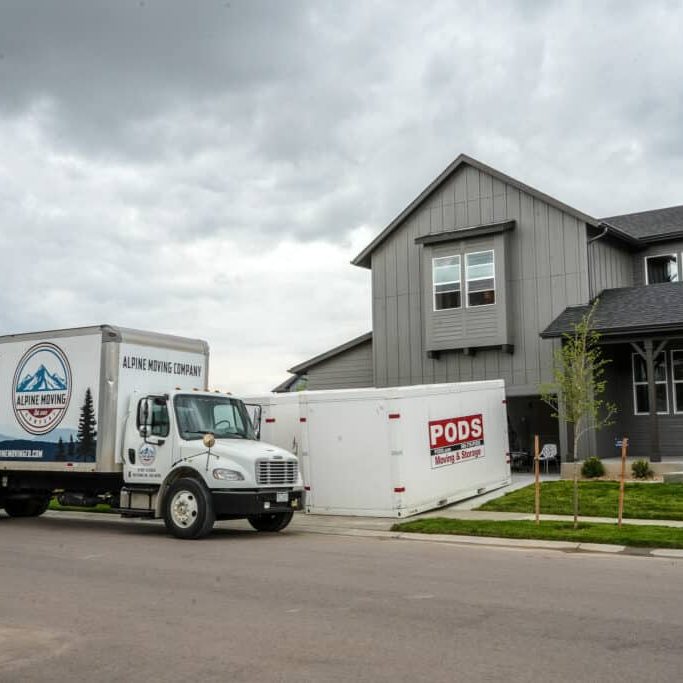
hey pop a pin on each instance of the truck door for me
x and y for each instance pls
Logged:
(149, 446)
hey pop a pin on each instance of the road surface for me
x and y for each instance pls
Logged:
(102, 600)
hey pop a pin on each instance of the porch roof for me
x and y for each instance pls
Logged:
(628, 312)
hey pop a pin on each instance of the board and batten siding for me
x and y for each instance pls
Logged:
(674, 247)
(611, 266)
(546, 272)
(349, 369)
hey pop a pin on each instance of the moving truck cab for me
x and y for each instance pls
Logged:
(202, 450)
(121, 416)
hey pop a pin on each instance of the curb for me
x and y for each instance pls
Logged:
(494, 541)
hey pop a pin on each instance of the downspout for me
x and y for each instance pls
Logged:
(588, 259)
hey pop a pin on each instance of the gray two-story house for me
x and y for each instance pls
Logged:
(481, 275)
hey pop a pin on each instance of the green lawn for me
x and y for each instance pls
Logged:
(54, 505)
(596, 499)
(629, 534)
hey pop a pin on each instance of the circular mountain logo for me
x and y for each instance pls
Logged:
(42, 388)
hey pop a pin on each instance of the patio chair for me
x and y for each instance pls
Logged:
(548, 454)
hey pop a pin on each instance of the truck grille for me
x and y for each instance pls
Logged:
(282, 472)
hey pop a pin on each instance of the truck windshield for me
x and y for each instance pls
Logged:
(225, 418)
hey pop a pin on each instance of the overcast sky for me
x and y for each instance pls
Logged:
(209, 168)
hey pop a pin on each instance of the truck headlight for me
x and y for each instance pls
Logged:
(227, 475)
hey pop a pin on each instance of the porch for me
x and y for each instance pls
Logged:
(641, 335)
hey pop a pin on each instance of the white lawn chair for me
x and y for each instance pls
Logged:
(548, 454)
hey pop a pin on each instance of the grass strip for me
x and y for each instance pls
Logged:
(54, 505)
(629, 534)
(596, 499)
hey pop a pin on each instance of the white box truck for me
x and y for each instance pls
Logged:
(397, 451)
(109, 414)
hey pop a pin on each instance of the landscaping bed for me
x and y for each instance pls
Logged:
(596, 499)
(630, 534)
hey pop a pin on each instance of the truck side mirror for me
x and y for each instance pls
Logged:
(145, 412)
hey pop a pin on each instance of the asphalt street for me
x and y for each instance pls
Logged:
(101, 600)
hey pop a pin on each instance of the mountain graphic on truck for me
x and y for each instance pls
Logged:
(42, 380)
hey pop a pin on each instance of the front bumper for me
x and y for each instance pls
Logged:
(246, 503)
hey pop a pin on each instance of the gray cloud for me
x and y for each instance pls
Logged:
(210, 168)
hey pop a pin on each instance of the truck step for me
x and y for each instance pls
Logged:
(134, 512)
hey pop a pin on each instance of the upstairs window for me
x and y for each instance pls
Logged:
(641, 399)
(481, 282)
(447, 285)
(662, 268)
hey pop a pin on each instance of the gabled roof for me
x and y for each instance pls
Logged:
(363, 259)
(650, 226)
(647, 309)
(357, 341)
(286, 386)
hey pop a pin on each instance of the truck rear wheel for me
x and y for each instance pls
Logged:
(275, 521)
(188, 509)
(26, 507)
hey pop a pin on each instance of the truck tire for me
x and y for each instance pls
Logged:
(188, 509)
(26, 507)
(275, 521)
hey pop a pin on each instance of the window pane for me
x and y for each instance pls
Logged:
(678, 389)
(450, 287)
(662, 269)
(677, 361)
(160, 422)
(639, 368)
(481, 298)
(444, 300)
(480, 259)
(660, 368)
(642, 403)
(446, 269)
(660, 394)
(480, 285)
(480, 265)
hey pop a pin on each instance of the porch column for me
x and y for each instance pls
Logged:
(655, 455)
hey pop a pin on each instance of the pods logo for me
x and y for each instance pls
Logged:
(41, 388)
(456, 439)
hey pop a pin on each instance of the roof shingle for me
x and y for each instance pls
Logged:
(629, 310)
(649, 225)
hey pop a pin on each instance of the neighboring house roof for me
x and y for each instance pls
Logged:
(363, 259)
(625, 311)
(287, 385)
(357, 341)
(650, 226)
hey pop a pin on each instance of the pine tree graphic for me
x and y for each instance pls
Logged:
(86, 428)
(71, 449)
(61, 450)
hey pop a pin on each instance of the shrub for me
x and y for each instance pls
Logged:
(592, 468)
(641, 469)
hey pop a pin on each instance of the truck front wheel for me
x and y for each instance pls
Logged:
(188, 509)
(275, 521)
(27, 507)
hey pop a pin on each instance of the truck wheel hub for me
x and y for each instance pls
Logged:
(184, 508)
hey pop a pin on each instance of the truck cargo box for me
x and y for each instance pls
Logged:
(66, 393)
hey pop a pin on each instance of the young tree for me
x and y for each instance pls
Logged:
(86, 428)
(71, 448)
(577, 391)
